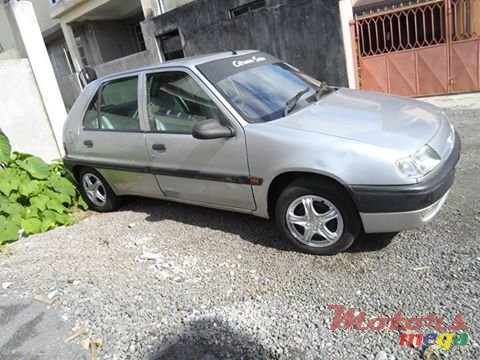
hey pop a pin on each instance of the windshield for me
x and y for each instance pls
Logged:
(261, 87)
(261, 93)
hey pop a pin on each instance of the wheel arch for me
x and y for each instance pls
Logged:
(76, 169)
(281, 181)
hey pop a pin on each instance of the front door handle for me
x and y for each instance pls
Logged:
(88, 143)
(159, 147)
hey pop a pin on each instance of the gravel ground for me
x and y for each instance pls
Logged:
(160, 280)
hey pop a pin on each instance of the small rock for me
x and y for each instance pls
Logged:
(381, 355)
(178, 279)
(6, 285)
(131, 225)
(358, 292)
(149, 256)
(52, 294)
(431, 353)
(163, 275)
(85, 344)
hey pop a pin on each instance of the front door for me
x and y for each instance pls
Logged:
(204, 171)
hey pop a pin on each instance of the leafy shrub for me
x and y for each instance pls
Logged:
(34, 196)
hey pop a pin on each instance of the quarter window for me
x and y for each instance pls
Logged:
(176, 103)
(90, 121)
(118, 107)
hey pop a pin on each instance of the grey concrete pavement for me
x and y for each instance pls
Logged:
(32, 330)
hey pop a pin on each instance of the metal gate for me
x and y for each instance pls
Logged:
(422, 49)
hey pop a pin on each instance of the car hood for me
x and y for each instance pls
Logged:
(388, 121)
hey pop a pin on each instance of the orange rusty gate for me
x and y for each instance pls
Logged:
(428, 48)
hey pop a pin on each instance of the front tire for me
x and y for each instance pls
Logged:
(96, 191)
(317, 217)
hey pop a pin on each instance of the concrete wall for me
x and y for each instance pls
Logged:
(361, 6)
(134, 61)
(86, 32)
(42, 11)
(70, 87)
(22, 114)
(67, 81)
(7, 40)
(115, 39)
(305, 33)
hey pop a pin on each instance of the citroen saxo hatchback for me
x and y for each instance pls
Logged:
(247, 132)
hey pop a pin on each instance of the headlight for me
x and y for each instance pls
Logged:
(420, 163)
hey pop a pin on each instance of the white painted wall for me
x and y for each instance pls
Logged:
(28, 36)
(346, 15)
(172, 4)
(10, 55)
(22, 115)
(365, 2)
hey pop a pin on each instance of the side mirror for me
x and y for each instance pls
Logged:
(211, 129)
(87, 75)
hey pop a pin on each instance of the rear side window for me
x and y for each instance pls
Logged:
(114, 107)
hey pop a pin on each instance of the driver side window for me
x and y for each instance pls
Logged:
(175, 103)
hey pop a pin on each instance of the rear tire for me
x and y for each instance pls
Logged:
(317, 217)
(96, 192)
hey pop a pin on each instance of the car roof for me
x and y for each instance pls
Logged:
(189, 62)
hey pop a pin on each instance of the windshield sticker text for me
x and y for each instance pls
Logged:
(254, 59)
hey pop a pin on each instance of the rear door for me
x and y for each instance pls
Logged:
(211, 171)
(112, 138)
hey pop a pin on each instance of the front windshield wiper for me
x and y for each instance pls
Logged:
(290, 104)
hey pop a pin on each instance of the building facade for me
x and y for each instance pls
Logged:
(305, 33)
(116, 35)
(103, 34)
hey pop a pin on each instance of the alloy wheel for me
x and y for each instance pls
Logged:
(94, 189)
(314, 221)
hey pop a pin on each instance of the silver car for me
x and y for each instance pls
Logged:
(249, 133)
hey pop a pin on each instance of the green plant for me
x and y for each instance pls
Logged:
(34, 196)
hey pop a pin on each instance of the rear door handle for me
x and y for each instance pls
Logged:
(159, 147)
(88, 143)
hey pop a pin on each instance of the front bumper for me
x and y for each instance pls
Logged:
(398, 221)
(402, 207)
